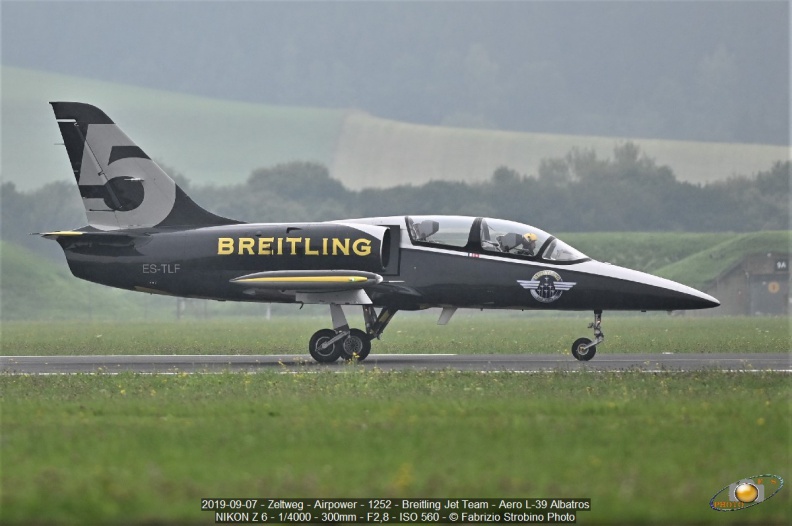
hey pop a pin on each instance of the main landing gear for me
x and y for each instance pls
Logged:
(328, 345)
(584, 349)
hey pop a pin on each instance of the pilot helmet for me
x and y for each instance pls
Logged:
(530, 236)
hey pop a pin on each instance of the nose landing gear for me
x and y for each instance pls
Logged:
(584, 349)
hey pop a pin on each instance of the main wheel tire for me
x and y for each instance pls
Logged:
(579, 351)
(356, 346)
(328, 354)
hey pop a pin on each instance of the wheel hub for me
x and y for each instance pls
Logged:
(352, 345)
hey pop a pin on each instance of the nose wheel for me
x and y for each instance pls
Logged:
(584, 349)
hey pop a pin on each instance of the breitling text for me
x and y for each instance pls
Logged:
(293, 246)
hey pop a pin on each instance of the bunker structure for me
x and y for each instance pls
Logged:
(756, 285)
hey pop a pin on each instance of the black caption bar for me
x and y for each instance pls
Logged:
(386, 510)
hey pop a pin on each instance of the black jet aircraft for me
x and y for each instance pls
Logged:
(145, 234)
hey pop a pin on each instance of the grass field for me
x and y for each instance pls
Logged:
(134, 449)
(469, 332)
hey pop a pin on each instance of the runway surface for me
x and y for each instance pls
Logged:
(435, 362)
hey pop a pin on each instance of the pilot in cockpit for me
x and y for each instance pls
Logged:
(518, 244)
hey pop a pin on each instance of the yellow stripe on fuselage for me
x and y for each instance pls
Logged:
(307, 279)
(63, 233)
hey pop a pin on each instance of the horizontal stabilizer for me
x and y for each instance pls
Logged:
(107, 238)
(310, 280)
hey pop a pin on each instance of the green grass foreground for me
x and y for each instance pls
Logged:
(136, 449)
(468, 332)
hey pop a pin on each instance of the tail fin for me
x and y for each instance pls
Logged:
(121, 187)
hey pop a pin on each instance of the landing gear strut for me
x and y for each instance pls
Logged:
(584, 349)
(328, 345)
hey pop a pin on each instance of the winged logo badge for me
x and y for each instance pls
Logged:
(546, 286)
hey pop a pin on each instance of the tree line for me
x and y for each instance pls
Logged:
(580, 192)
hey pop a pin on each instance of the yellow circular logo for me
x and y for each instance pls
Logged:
(773, 287)
(746, 492)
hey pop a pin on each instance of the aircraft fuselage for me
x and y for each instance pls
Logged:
(202, 263)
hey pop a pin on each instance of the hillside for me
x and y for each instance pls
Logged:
(703, 267)
(220, 142)
(380, 152)
(644, 251)
(34, 288)
(210, 141)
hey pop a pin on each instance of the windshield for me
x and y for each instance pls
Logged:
(442, 230)
(498, 235)
(557, 250)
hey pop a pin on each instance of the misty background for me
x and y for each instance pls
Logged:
(576, 117)
(706, 71)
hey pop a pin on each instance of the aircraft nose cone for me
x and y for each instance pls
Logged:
(700, 300)
(670, 295)
(633, 290)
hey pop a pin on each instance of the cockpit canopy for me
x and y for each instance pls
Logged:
(487, 235)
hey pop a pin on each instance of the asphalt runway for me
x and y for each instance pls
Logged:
(604, 362)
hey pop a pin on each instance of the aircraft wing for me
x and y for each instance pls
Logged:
(310, 280)
(342, 287)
